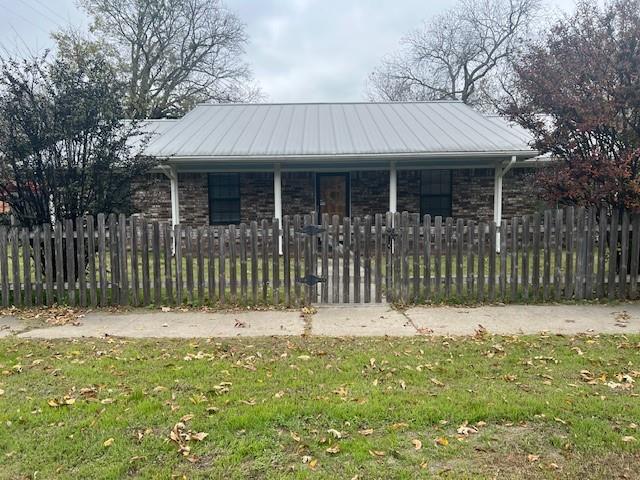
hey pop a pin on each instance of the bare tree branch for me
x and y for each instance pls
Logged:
(453, 55)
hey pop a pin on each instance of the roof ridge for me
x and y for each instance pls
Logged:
(229, 104)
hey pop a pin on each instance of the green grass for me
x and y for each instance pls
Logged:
(270, 405)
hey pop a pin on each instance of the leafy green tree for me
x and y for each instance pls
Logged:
(65, 150)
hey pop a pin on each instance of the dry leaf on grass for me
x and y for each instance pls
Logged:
(417, 444)
(108, 442)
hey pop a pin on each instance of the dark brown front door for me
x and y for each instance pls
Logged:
(333, 194)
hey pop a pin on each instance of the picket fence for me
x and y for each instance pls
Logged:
(555, 255)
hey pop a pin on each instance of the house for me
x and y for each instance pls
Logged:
(232, 163)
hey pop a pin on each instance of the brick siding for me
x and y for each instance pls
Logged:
(472, 194)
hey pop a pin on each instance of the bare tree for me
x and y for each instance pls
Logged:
(455, 55)
(173, 53)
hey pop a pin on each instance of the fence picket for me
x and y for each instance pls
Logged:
(200, 265)
(613, 255)
(590, 242)
(324, 291)
(557, 278)
(168, 273)
(503, 260)
(448, 246)
(493, 245)
(335, 265)
(378, 258)
(572, 244)
(275, 246)
(222, 264)
(602, 246)
(265, 259)
(471, 242)
(635, 254)
(211, 264)
(233, 264)
(624, 256)
(59, 262)
(102, 260)
(367, 259)
(114, 260)
(546, 246)
(426, 222)
(157, 273)
(124, 270)
(71, 261)
(346, 260)
(437, 257)
(459, 258)
(15, 263)
(47, 239)
(525, 257)
(254, 262)
(4, 266)
(81, 262)
(297, 252)
(144, 247)
(26, 266)
(356, 260)
(188, 256)
(37, 265)
(514, 258)
(535, 270)
(286, 259)
(578, 280)
(243, 263)
(480, 292)
(135, 268)
(91, 256)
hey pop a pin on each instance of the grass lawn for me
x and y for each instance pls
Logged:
(490, 407)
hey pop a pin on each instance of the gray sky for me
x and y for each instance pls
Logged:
(299, 50)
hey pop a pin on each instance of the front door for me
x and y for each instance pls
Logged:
(332, 193)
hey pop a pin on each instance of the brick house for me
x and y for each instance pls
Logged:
(232, 163)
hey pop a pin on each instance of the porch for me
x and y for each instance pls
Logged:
(477, 191)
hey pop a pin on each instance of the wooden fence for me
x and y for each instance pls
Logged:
(554, 255)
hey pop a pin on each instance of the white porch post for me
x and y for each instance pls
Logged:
(277, 197)
(175, 199)
(497, 195)
(393, 188)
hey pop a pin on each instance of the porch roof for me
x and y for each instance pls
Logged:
(308, 131)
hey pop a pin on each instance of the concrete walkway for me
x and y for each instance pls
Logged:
(341, 320)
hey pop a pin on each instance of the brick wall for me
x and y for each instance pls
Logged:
(369, 193)
(298, 193)
(256, 196)
(152, 197)
(472, 194)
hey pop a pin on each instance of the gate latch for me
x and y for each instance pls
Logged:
(311, 280)
(391, 236)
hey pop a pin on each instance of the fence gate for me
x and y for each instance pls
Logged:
(339, 260)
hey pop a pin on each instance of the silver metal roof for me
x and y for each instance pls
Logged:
(301, 130)
(150, 129)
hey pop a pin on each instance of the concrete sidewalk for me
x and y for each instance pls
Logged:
(342, 320)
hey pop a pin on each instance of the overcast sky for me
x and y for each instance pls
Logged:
(299, 50)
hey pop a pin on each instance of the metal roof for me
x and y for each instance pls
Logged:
(150, 129)
(302, 130)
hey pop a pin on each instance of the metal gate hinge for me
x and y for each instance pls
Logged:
(312, 230)
(311, 280)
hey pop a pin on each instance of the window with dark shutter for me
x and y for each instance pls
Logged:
(435, 193)
(224, 198)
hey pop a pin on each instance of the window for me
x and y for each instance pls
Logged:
(224, 198)
(435, 193)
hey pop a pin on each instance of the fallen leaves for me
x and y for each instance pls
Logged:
(107, 443)
(628, 439)
(181, 436)
(442, 441)
(417, 444)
